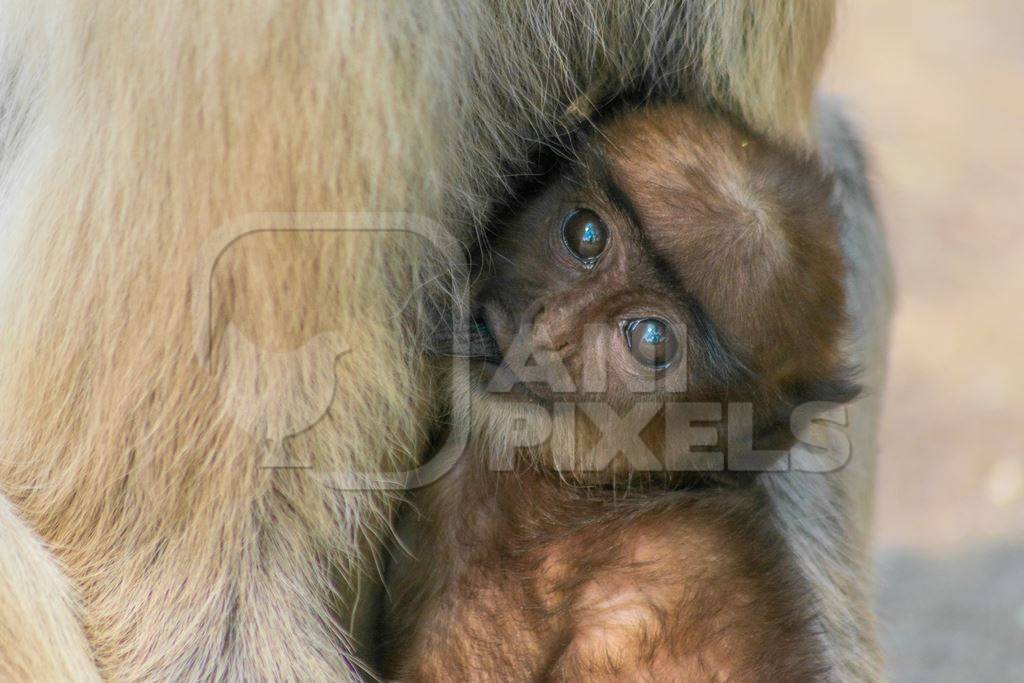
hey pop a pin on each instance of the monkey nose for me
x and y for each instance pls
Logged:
(555, 326)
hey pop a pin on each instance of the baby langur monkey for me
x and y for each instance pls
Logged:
(675, 282)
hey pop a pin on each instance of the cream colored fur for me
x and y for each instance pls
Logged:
(130, 133)
(41, 637)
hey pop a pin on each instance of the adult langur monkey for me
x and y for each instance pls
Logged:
(143, 537)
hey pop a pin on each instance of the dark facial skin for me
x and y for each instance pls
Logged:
(682, 255)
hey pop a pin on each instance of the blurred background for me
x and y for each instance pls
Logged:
(938, 91)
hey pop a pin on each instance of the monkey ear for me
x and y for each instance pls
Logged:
(837, 389)
(840, 387)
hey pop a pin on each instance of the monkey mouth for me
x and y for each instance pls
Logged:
(475, 339)
(461, 338)
(483, 345)
(491, 366)
(489, 325)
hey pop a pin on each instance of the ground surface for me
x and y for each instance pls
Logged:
(938, 89)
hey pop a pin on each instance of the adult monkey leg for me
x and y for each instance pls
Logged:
(41, 637)
(146, 129)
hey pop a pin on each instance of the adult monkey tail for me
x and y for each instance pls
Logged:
(130, 136)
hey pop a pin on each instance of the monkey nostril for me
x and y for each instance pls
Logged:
(555, 328)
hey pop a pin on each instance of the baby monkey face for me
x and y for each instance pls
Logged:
(673, 254)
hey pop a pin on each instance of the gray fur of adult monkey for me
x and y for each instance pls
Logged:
(129, 134)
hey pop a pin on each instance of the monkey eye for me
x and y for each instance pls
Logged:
(652, 342)
(584, 235)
